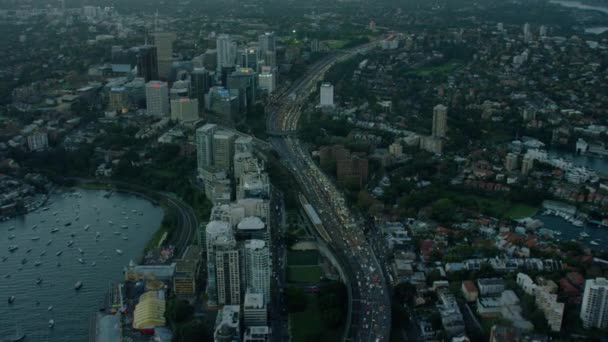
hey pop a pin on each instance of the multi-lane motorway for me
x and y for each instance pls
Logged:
(369, 307)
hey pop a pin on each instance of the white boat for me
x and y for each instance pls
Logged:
(50, 308)
(594, 243)
(10, 237)
(49, 242)
(578, 223)
(80, 251)
(36, 238)
(583, 234)
(80, 260)
(42, 253)
(97, 234)
(110, 222)
(125, 238)
(58, 253)
(51, 323)
(45, 209)
(124, 226)
(11, 227)
(94, 263)
(12, 248)
(35, 226)
(119, 251)
(38, 263)
(54, 230)
(87, 227)
(71, 242)
(116, 233)
(78, 285)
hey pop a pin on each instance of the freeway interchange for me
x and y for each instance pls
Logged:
(368, 317)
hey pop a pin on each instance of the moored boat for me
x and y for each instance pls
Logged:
(78, 285)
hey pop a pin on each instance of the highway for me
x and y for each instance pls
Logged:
(369, 305)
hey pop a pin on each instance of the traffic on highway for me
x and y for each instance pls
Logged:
(369, 306)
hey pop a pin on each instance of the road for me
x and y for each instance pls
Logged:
(369, 305)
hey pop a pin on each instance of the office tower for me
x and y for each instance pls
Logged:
(204, 145)
(223, 150)
(123, 60)
(257, 267)
(223, 102)
(511, 162)
(227, 270)
(249, 57)
(245, 81)
(184, 109)
(500, 27)
(254, 310)
(594, 307)
(440, 121)
(542, 31)
(164, 53)
(527, 32)
(267, 80)
(179, 90)
(268, 42)
(147, 66)
(327, 95)
(200, 83)
(226, 51)
(157, 98)
(118, 99)
(527, 164)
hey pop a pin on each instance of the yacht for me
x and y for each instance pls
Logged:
(94, 263)
(119, 252)
(12, 248)
(80, 260)
(12, 236)
(51, 323)
(39, 281)
(11, 228)
(125, 238)
(28, 250)
(38, 263)
(58, 253)
(71, 242)
(80, 251)
(11, 299)
(124, 226)
(54, 230)
(50, 308)
(35, 226)
(48, 243)
(78, 285)
(583, 234)
(594, 243)
(36, 238)
(42, 253)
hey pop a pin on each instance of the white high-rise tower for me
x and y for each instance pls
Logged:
(257, 267)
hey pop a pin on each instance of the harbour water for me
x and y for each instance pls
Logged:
(41, 235)
(569, 231)
(599, 165)
(580, 5)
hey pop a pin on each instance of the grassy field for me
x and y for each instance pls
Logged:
(335, 44)
(300, 258)
(439, 69)
(306, 326)
(304, 274)
(493, 206)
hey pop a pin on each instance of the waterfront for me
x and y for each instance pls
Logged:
(598, 164)
(569, 231)
(580, 5)
(99, 264)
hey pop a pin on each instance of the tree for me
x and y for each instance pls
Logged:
(193, 331)
(178, 311)
(296, 299)
(444, 210)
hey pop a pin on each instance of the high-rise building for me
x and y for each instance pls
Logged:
(527, 32)
(226, 51)
(223, 150)
(147, 66)
(224, 103)
(511, 162)
(200, 83)
(164, 54)
(227, 268)
(254, 310)
(204, 145)
(257, 267)
(268, 42)
(257, 334)
(542, 30)
(157, 98)
(184, 109)
(440, 121)
(527, 164)
(249, 57)
(243, 144)
(267, 79)
(214, 231)
(594, 307)
(327, 95)
(228, 324)
(245, 81)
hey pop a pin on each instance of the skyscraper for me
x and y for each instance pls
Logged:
(227, 270)
(223, 150)
(157, 98)
(214, 231)
(267, 79)
(147, 66)
(200, 83)
(164, 45)
(327, 95)
(184, 109)
(594, 307)
(527, 32)
(245, 81)
(257, 267)
(226, 51)
(268, 48)
(204, 145)
(440, 121)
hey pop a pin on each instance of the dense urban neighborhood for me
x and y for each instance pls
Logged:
(324, 171)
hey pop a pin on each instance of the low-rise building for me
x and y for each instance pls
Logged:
(469, 291)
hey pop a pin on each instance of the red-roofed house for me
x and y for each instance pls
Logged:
(469, 291)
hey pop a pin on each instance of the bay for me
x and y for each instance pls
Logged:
(69, 213)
